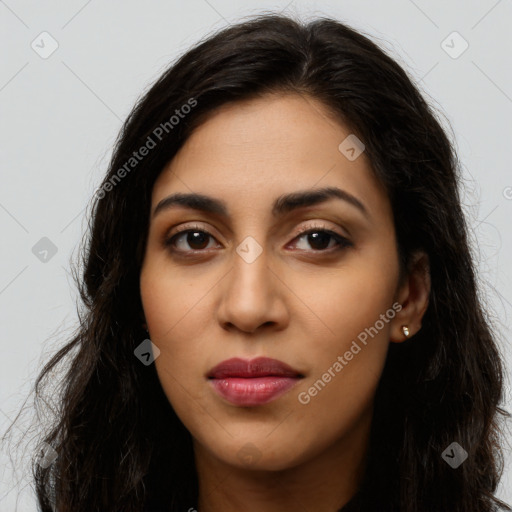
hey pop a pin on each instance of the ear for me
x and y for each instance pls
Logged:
(413, 294)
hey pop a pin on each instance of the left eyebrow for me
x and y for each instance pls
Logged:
(304, 198)
(282, 205)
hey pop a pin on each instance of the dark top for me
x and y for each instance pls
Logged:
(350, 506)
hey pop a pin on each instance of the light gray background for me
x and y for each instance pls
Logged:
(60, 116)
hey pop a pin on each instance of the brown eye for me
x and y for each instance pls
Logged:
(189, 240)
(197, 240)
(320, 240)
(315, 239)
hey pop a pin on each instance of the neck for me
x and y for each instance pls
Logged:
(324, 483)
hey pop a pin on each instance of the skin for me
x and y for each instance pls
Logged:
(296, 302)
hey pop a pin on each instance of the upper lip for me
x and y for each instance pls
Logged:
(259, 367)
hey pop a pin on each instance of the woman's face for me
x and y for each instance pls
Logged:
(245, 283)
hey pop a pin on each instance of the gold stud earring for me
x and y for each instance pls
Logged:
(405, 330)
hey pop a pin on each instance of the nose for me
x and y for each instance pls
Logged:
(252, 297)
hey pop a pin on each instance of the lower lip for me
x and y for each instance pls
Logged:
(252, 391)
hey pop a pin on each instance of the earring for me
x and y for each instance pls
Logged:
(145, 327)
(405, 330)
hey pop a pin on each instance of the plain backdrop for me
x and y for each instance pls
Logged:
(70, 73)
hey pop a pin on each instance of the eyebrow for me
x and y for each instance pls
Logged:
(282, 205)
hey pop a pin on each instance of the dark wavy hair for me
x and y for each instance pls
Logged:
(120, 445)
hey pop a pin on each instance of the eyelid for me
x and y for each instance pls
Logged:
(323, 227)
(301, 230)
(186, 227)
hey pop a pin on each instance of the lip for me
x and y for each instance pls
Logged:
(253, 382)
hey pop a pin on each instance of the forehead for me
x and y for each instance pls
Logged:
(250, 152)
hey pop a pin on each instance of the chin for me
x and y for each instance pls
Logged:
(262, 455)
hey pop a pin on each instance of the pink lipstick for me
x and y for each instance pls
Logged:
(251, 383)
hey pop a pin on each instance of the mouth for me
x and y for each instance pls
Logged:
(252, 383)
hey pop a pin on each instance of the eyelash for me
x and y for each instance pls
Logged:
(342, 242)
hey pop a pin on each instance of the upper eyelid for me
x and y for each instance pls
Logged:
(319, 227)
(301, 231)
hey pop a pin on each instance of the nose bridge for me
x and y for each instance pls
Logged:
(250, 280)
(251, 296)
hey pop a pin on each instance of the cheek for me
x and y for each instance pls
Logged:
(355, 306)
(175, 308)
(178, 310)
(172, 303)
(351, 299)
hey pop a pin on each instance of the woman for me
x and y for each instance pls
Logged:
(280, 303)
